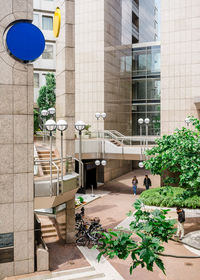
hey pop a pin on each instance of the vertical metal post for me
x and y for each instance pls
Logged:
(61, 147)
(51, 193)
(140, 142)
(80, 152)
(43, 129)
(146, 139)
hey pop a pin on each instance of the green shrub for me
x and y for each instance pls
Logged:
(81, 199)
(169, 197)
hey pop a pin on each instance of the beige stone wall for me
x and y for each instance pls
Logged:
(16, 146)
(116, 168)
(180, 62)
(65, 79)
(89, 60)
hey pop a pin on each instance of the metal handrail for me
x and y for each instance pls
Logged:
(38, 161)
(57, 178)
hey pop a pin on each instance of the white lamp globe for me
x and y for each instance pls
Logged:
(50, 125)
(97, 115)
(97, 162)
(187, 121)
(80, 125)
(44, 113)
(103, 162)
(62, 125)
(140, 121)
(147, 120)
(141, 164)
(51, 111)
(103, 115)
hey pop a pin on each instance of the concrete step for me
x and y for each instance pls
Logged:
(82, 276)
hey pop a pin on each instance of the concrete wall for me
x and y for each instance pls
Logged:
(16, 146)
(116, 168)
(65, 75)
(180, 62)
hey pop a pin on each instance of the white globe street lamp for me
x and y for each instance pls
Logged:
(140, 121)
(50, 126)
(103, 162)
(61, 126)
(187, 121)
(141, 164)
(80, 125)
(97, 162)
(147, 121)
(97, 115)
(44, 113)
(52, 111)
(103, 115)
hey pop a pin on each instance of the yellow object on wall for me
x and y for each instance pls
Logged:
(56, 22)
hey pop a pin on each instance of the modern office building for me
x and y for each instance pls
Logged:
(43, 11)
(180, 62)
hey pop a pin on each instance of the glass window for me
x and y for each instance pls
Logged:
(36, 80)
(36, 19)
(47, 23)
(153, 89)
(139, 89)
(48, 52)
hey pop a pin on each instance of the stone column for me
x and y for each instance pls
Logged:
(16, 146)
(70, 221)
(65, 71)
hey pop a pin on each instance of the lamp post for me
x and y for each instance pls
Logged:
(44, 114)
(80, 126)
(51, 111)
(187, 121)
(98, 116)
(50, 126)
(147, 121)
(61, 126)
(140, 122)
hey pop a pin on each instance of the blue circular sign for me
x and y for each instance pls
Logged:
(25, 41)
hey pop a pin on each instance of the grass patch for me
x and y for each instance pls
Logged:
(166, 197)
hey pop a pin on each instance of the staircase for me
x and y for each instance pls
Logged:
(45, 155)
(49, 229)
(115, 142)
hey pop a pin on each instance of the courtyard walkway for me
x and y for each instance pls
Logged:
(112, 209)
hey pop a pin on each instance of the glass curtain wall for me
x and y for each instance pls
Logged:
(146, 88)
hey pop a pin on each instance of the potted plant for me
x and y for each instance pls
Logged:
(87, 133)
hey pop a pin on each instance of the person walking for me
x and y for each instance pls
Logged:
(181, 220)
(134, 183)
(147, 182)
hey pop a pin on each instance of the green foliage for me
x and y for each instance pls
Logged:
(47, 96)
(178, 153)
(151, 228)
(87, 129)
(171, 197)
(36, 122)
(81, 199)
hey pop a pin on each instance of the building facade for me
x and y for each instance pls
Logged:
(16, 149)
(43, 11)
(180, 62)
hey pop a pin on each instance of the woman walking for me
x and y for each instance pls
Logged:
(134, 183)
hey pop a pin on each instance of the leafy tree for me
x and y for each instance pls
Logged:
(152, 229)
(47, 96)
(36, 123)
(178, 153)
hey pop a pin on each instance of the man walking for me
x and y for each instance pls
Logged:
(181, 220)
(147, 182)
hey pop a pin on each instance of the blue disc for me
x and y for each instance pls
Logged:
(25, 41)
